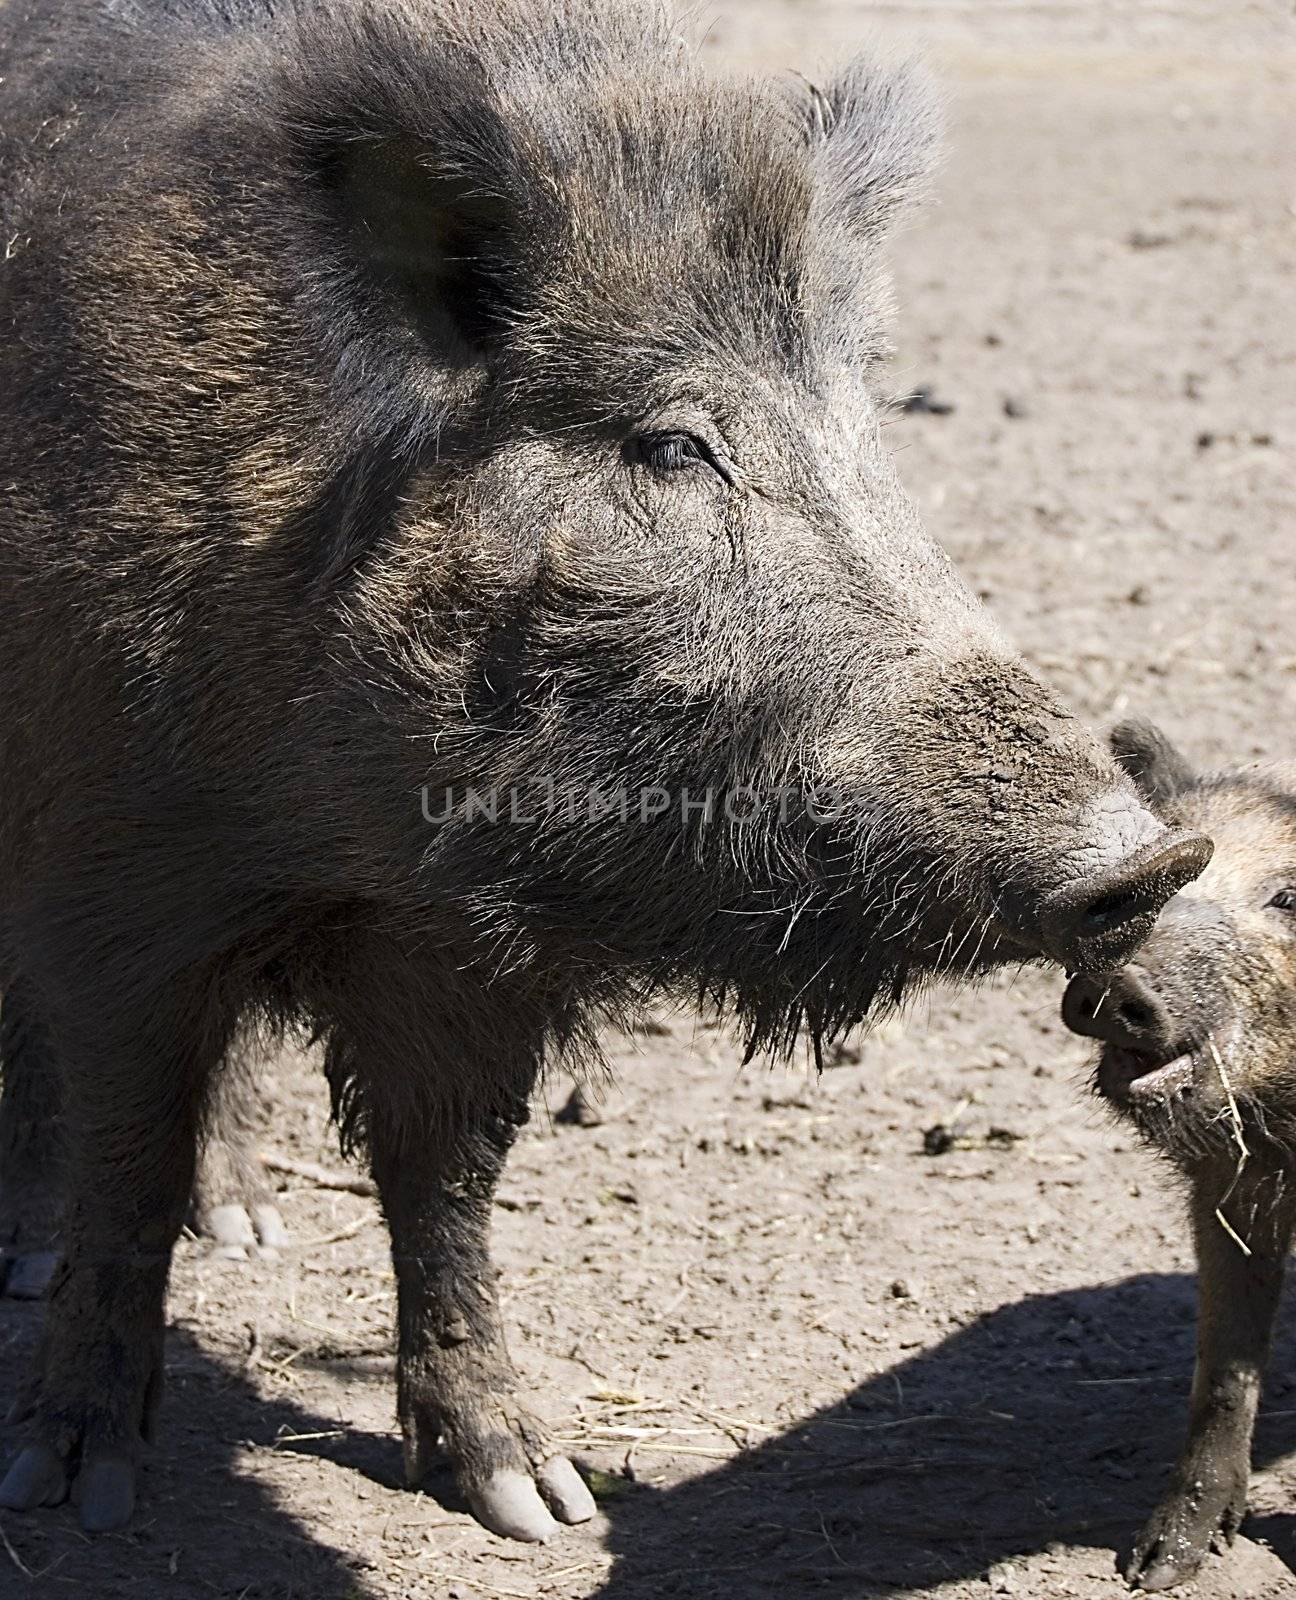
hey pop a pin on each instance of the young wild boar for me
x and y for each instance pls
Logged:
(1199, 1052)
(415, 396)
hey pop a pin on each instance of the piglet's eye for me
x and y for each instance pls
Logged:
(1284, 900)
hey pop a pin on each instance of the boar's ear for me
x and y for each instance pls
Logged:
(1156, 766)
(430, 237)
(873, 134)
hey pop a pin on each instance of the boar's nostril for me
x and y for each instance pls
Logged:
(1110, 909)
(1097, 924)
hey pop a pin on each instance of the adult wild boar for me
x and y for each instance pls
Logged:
(405, 397)
(1199, 1039)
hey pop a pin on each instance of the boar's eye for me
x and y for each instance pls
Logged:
(1284, 900)
(665, 453)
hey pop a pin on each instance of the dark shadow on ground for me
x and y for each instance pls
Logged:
(1052, 1419)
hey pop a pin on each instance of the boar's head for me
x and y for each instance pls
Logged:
(657, 545)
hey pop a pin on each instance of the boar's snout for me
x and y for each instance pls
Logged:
(1097, 923)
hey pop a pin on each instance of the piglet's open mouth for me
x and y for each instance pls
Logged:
(1138, 1078)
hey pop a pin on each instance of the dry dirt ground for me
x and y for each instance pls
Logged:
(801, 1356)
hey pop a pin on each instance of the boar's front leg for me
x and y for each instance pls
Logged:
(455, 1380)
(1238, 1298)
(133, 1078)
(31, 1149)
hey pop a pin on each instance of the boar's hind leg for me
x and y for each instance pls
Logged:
(1238, 1299)
(133, 1088)
(31, 1151)
(233, 1204)
(455, 1380)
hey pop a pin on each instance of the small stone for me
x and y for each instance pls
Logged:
(900, 1290)
(938, 1140)
(456, 1331)
(1002, 1578)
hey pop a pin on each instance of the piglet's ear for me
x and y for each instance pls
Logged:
(1156, 766)
(874, 134)
(431, 238)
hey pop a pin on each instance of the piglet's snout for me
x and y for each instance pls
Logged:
(1123, 1009)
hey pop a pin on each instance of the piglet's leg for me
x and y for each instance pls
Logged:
(1238, 1299)
(455, 1380)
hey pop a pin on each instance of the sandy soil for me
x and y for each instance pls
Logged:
(801, 1356)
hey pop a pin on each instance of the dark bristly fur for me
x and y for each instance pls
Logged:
(334, 343)
(1211, 1000)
